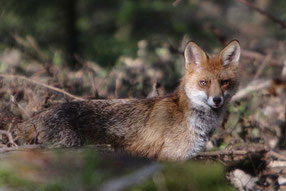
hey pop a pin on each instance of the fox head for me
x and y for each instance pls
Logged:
(211, 81)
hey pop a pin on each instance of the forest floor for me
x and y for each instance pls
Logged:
(248, 148)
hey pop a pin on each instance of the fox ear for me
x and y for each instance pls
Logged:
(194, 55)
(231, 53)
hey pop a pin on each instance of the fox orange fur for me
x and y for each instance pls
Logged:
(172, 127)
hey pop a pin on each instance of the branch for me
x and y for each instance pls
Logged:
(256, 85)
(260, 57)
(262, 66)
(277, 155)
(13, 100)
(43, 85)
(252, 87)
(264, 13)
(11, 140)
(222, 153)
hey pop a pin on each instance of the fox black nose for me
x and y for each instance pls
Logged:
(217, 100)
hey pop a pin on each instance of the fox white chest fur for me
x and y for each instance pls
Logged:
(202, 124)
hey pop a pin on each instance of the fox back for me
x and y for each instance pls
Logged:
(172, 127)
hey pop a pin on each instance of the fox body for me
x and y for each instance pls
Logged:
(172, 127)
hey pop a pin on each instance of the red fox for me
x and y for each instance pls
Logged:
(172, 127)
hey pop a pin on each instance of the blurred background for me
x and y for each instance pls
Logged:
(133, 48)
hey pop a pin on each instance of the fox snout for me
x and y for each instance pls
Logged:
(216, 101)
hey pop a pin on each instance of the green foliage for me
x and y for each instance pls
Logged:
(9, 177)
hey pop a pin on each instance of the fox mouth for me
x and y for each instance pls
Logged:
(216, 106)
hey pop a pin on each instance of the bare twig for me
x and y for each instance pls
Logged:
(244, 152)
(277, 164)
(277, 155)
(10, 137)
(262, 67)
(264, 13)
(13, 100)
(41, 84)
(259, 57)
(252, 87)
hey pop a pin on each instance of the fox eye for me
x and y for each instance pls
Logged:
(203, 83)
(225, 82)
